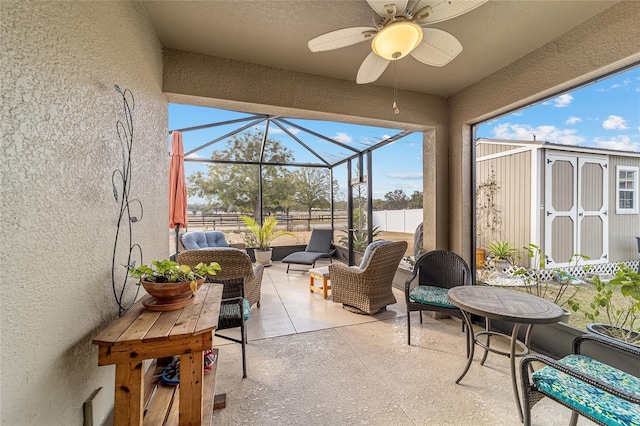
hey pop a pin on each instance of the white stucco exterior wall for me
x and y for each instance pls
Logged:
(60, 61)
(604, 43)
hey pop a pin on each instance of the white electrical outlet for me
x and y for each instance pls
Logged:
(95, 408)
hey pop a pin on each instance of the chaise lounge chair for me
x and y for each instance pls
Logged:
(319, 246)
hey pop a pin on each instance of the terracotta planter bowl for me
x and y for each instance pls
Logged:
(168, 296)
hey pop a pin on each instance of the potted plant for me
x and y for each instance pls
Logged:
(260, 237)
(360, 239)
(170, 284)
(621, 309)
(504, 254)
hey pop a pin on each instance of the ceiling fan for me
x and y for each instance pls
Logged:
(399, 30)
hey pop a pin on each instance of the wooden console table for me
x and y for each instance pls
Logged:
(141, 334)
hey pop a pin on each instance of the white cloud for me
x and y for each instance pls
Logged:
(625, 82)
(615, 122)
(343, 137)
(562, 101)
(618, 143)
(277, 130)
(404, 175)
(194, 156)
(524, 132)
(518, 114)
(573, 120)
(408, 187)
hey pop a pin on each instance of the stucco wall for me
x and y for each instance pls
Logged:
(60, 61)
(605, 43)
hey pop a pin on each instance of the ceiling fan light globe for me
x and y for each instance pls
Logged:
(397, 40)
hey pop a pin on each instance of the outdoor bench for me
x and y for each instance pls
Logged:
(590, 388)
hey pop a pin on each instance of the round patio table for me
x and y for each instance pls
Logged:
(507, 305)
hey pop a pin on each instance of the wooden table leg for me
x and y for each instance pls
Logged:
(129, 397)
(191, 378)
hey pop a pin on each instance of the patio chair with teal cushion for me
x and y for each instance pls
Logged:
(589, 387)
(234, 313)
(319, 247)
(437, 271)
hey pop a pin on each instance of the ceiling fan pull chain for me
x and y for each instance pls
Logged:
(396, 110)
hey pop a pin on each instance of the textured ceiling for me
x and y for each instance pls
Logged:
(275, 33)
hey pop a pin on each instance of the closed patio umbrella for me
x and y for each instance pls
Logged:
(177, 187)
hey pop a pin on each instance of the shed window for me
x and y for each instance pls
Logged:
(627, 190)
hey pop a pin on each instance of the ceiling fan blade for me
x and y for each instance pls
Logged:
(371, 69)
(437, 48)
(341, 38)
(445, 9)
(379, 6)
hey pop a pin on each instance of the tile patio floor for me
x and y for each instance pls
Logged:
(310, 362)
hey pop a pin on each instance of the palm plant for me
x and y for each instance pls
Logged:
(261, 236)
(360, 239)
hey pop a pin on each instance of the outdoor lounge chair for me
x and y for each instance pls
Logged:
(437, 271)
(319, 246)
(368, 289)
(234, 263)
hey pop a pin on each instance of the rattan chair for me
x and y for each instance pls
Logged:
(437, 271)
(234, 263)
(367, 289)
(234, 312)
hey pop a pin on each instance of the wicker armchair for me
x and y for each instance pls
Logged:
(437, 271)
(367, 290)
(234, 264)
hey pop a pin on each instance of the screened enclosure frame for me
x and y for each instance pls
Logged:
(353, 154)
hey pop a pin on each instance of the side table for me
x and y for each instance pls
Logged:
(322, 274)
(502, 304)
(141, 334)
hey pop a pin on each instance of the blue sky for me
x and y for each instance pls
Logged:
(604, 114)
(395, 166)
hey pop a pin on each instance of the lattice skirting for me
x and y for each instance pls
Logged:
(549, 274)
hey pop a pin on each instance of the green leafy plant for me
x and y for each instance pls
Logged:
(503, 250)
(411, 260)
(262, 236)
(622, 313)
(537, 283)
(360, 239)
(168, 271)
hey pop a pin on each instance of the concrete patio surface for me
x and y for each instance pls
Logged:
(310, 362)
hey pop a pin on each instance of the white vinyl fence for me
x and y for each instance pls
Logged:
(398, 220)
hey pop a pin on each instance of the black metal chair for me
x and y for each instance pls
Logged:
(234, 312)
(319, 246)
(437, 271)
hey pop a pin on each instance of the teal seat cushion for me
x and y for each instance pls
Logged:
(430, 295)
(230, 310)
(608, 409)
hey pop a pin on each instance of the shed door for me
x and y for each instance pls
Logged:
(576, 204)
